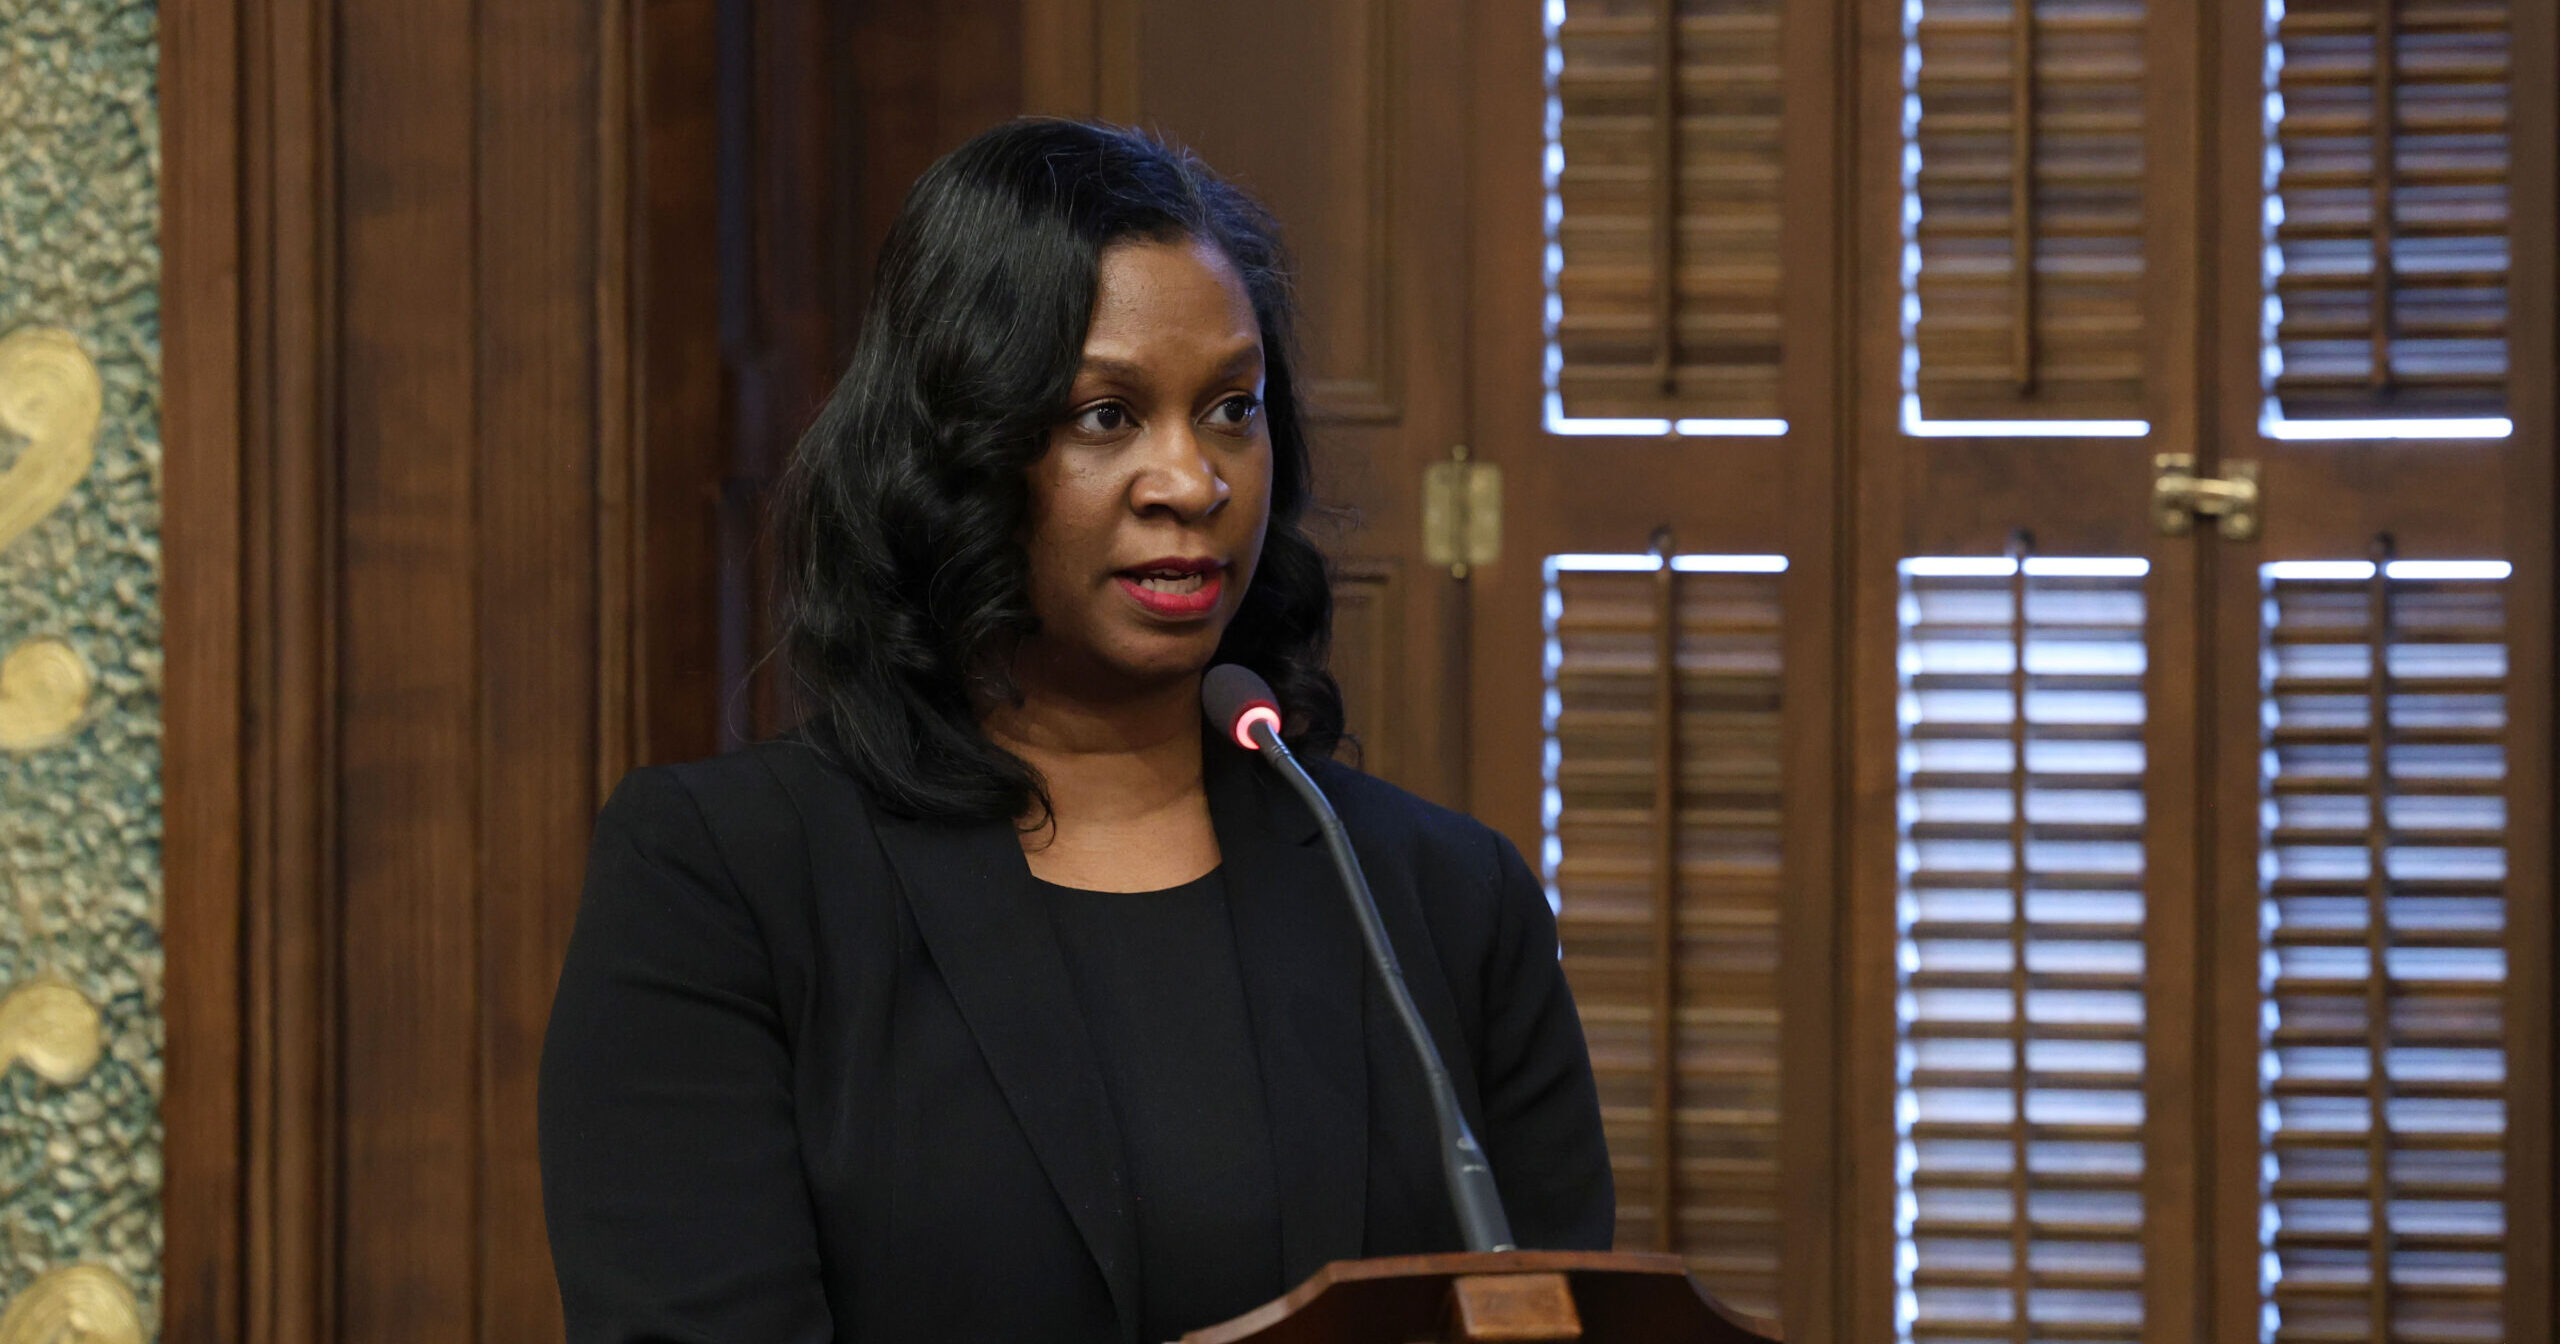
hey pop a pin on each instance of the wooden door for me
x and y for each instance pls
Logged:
(2025, 683)
(1669, 458)
(2379, 933)
(1953, 859)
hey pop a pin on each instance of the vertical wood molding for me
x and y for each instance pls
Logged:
(1368, 627)
(389, 500)
(2222, 374)
(293, 634)
(542, 271)
(1370, 394)
(2177, 349)
(1818, 395)
(204, 1108)
(247, 250)
(619, 407)
(2533, 511)
(287, 247)
(1869, 212)
(675, 441)
(411, 312)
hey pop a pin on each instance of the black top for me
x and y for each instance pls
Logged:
(1163, 998)
(819, 1074)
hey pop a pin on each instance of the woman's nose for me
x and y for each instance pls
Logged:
(1177, 476)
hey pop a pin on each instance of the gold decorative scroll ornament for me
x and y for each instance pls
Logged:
(44, 688)
(50, 397)
(53, 1028)
(77, 1304)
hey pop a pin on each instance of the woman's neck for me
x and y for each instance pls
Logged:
(1148, 739)
(1124, 778)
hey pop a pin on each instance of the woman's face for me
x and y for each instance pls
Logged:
(1147, 510)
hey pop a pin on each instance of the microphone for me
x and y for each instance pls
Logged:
(1242, 706)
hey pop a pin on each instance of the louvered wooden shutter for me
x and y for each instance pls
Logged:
(1718, 1061)
(1623, 343)
(2387, 916)
(2021, 924)
(2025, 263)
(2390, 260)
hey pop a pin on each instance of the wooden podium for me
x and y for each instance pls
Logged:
(1599, 1296)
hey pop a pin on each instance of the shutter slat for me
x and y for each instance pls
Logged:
(1608, 277)
(2049, 1180)
(2000, 980)
(2021, 974)
(2355, 937)
(2047, 1031)
(2029, 236)
(2391, 246)
(2385, 1072)
(1931, 930)
(2103, 1082)
(2446, 15)
(1603, 862)
(2035, 1132)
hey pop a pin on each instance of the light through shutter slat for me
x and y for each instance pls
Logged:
(2020, 1065)
(1602, 730)
(2384, 973)
(2388, 169)
(1604, 265)
(2023, 266)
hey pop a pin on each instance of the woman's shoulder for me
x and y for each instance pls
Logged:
(758, 781)
(1447, 884)
(1385, 817)
(776, 833)
(752, 807)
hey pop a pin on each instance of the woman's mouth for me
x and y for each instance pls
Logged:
(1175, 590)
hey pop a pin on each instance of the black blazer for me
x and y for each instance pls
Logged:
(816, 1072)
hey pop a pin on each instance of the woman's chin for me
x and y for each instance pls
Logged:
(1164, 658)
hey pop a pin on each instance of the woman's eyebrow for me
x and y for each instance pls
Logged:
(1122, 369)
(1246, 356)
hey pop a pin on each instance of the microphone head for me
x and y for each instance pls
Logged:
(1236, 699)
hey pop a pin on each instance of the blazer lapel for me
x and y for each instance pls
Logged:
(1305, 985)
(981, 917)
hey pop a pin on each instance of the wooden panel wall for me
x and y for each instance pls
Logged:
(488, 327)
(660, 595)
(412, 597)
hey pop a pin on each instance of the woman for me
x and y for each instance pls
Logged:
(1001, 1003)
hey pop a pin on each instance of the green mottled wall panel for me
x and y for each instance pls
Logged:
(80, 955)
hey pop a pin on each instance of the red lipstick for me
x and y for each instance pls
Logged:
(1175, 587)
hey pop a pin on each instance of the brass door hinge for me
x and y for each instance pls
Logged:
(1461, 513)
(2179, 497)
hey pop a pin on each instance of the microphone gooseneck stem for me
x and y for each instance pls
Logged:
(1472, 1193)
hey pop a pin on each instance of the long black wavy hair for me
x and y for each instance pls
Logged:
(900, 518)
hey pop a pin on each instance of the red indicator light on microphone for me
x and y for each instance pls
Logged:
(1234, 696)
(1252, 715)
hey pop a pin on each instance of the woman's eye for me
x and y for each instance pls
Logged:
(1107, 418)
(1236, 412)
